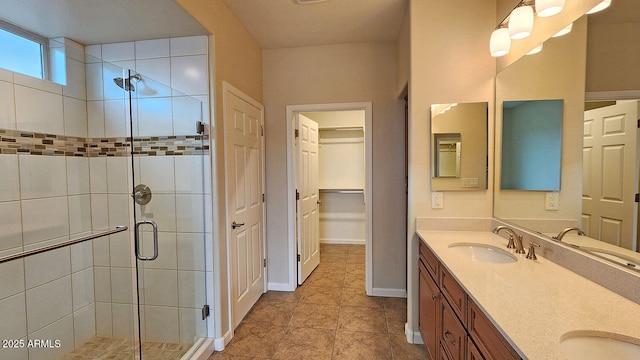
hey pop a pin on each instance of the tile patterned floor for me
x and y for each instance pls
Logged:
(106, 348)
(328, 317)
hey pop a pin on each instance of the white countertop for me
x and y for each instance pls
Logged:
(534, 302)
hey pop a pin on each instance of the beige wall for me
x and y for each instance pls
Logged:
(403, 54)
(237, 59)
(362, 72)
(450, 62)
(612, 51)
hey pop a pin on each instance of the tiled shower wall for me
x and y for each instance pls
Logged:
(74, 293)
(44, 199)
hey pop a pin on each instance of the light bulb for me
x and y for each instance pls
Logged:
(500, 42)
(545, 8)
(521, 22)
(535, 50)
(564, 31)
(603, 5)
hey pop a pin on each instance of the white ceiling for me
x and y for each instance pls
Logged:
(101, 21)
(272, 23)
(285, 23)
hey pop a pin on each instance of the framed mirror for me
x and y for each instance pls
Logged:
(599, 169)
(531, 145)
(459, 154)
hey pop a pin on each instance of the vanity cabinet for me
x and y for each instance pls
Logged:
(452, 326)
(429, 310)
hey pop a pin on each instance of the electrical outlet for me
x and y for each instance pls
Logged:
(551, 200)
(470, 182)
(437, 200)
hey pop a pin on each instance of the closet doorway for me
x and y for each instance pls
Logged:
(329, 185)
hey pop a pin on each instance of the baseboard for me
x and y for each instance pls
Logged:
(281, 287)
(343, 241)
(413, 337)
(220, 343)
(399, 293)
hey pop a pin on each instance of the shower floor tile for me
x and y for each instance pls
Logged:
(106, 348)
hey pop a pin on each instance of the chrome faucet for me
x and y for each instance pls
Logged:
(565, 231)
(515, 240)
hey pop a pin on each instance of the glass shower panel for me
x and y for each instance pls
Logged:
(109, 167)
(169, 167)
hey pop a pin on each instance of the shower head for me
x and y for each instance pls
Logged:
(126, 84)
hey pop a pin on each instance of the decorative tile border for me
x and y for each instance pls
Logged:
(30, 143)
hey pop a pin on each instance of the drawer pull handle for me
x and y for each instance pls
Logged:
(434, 297)
(447, 336)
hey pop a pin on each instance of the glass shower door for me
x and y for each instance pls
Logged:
(169, 164)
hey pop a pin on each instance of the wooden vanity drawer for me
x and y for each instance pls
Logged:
(453, 335)
(490, 342)
(430, 260)
(454, 293)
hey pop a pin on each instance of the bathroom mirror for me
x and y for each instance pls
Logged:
(531, 145)
(447, 156)
(589, 178)
(459, 138)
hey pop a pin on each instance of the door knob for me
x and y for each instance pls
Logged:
(235, 225)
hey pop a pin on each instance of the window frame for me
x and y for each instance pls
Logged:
(31, 36)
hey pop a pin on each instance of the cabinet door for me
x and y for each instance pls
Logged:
(489, 340)
(472, 351)
(429, 312)
(454, 293)
(443, 354)
(454, 336)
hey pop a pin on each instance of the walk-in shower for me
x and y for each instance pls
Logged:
(86, 271)
(126, 84)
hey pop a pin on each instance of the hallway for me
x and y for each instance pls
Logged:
(328, 317)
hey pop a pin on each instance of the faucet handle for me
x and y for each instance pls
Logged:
(532, 250)
(511, 244)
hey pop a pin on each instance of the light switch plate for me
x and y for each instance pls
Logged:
(437, 200)
(551, 200)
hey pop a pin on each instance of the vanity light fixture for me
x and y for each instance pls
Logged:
(546, 8)
(601, 6)
(535, 50)
(500, 42)
(564, 31)
(521, 22)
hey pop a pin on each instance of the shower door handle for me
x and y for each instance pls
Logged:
(154, 226)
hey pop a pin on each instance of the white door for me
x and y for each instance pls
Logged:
(609, 184)
(243, 139)
(307, 215)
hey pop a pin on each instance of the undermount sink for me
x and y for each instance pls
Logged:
(590, 345)
(483, 253)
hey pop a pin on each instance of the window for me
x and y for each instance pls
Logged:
(23, 51)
